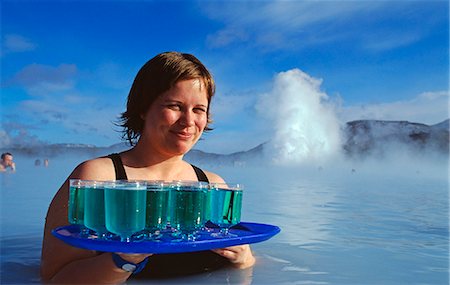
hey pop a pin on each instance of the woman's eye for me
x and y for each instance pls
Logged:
(200, 110)
(174, 107)
(179, 107)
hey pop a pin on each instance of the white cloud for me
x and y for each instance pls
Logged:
(428, 108)
(283, 24)
(226, 108)
(14, 133)
(46, 110)
(227, 37)
(389, 41)
(5, 139)
(17, 43)
(292, 25)
(58, 104)
(39, 79)
(111, 75)
(58, 121)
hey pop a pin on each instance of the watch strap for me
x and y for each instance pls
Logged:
(128, 266)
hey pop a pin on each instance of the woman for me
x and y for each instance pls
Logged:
(167, 112)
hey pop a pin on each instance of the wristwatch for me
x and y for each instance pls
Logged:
(128, 266)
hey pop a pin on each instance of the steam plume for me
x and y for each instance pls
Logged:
(305, 126)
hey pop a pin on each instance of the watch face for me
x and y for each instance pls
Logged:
(129, 267)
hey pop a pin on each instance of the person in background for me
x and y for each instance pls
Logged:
(167, 112)
(7, 162)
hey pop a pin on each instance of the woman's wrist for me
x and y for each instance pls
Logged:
(133, 258)
(133, 264)
(248, 262)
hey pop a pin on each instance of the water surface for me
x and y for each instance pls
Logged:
(370, 225)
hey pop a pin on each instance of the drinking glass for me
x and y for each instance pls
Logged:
(76, 205)
(188, 200)
(94, 208)
(157, 208)
(125, 208)
(225, 207)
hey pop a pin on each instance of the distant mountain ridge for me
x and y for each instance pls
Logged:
(360, 138)
(364, 137)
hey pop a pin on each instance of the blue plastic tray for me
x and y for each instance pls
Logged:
(246, 233)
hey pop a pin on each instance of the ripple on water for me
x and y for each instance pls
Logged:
(20, 263)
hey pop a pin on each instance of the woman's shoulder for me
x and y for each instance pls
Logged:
(100, 168)
(213, 177)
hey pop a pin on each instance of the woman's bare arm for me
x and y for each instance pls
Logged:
(61, 263)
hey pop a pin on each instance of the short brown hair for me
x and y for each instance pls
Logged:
(155, 77)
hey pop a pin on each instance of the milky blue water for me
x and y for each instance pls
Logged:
(382, 223)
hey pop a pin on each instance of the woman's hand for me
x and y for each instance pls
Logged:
(134, 257)
(241, 255)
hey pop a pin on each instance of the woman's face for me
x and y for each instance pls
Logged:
(177, 118)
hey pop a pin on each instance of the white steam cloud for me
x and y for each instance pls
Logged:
(305, 125)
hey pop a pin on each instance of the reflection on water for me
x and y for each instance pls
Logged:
(220, 277)
(350, 227)
(338, 226)
(20, 259)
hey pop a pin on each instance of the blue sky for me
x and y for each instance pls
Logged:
(67, 66)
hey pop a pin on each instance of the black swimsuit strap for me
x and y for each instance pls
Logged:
(118, 166)
(201, 176)
(122, 175)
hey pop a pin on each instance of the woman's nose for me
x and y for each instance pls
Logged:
(187, 118)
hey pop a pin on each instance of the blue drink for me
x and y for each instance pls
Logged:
(188, 209)
(125, 208)
(225, 207)
(157, 206)
(76, 202)
(94, 212)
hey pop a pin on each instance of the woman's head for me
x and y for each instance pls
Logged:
(156, 77)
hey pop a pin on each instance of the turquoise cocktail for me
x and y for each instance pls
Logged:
(188, 201)
(125, 208)
(157, 208)
(76, 202)
(225, 205)
(76, 208)
(94, 207)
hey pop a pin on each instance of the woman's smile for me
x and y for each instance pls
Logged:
(184, 135)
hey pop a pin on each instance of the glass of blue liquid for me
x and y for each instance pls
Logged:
(76, 208)
(125, 208)
(188, 206)
(94, 208)
(157, 209)
(225, 206)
